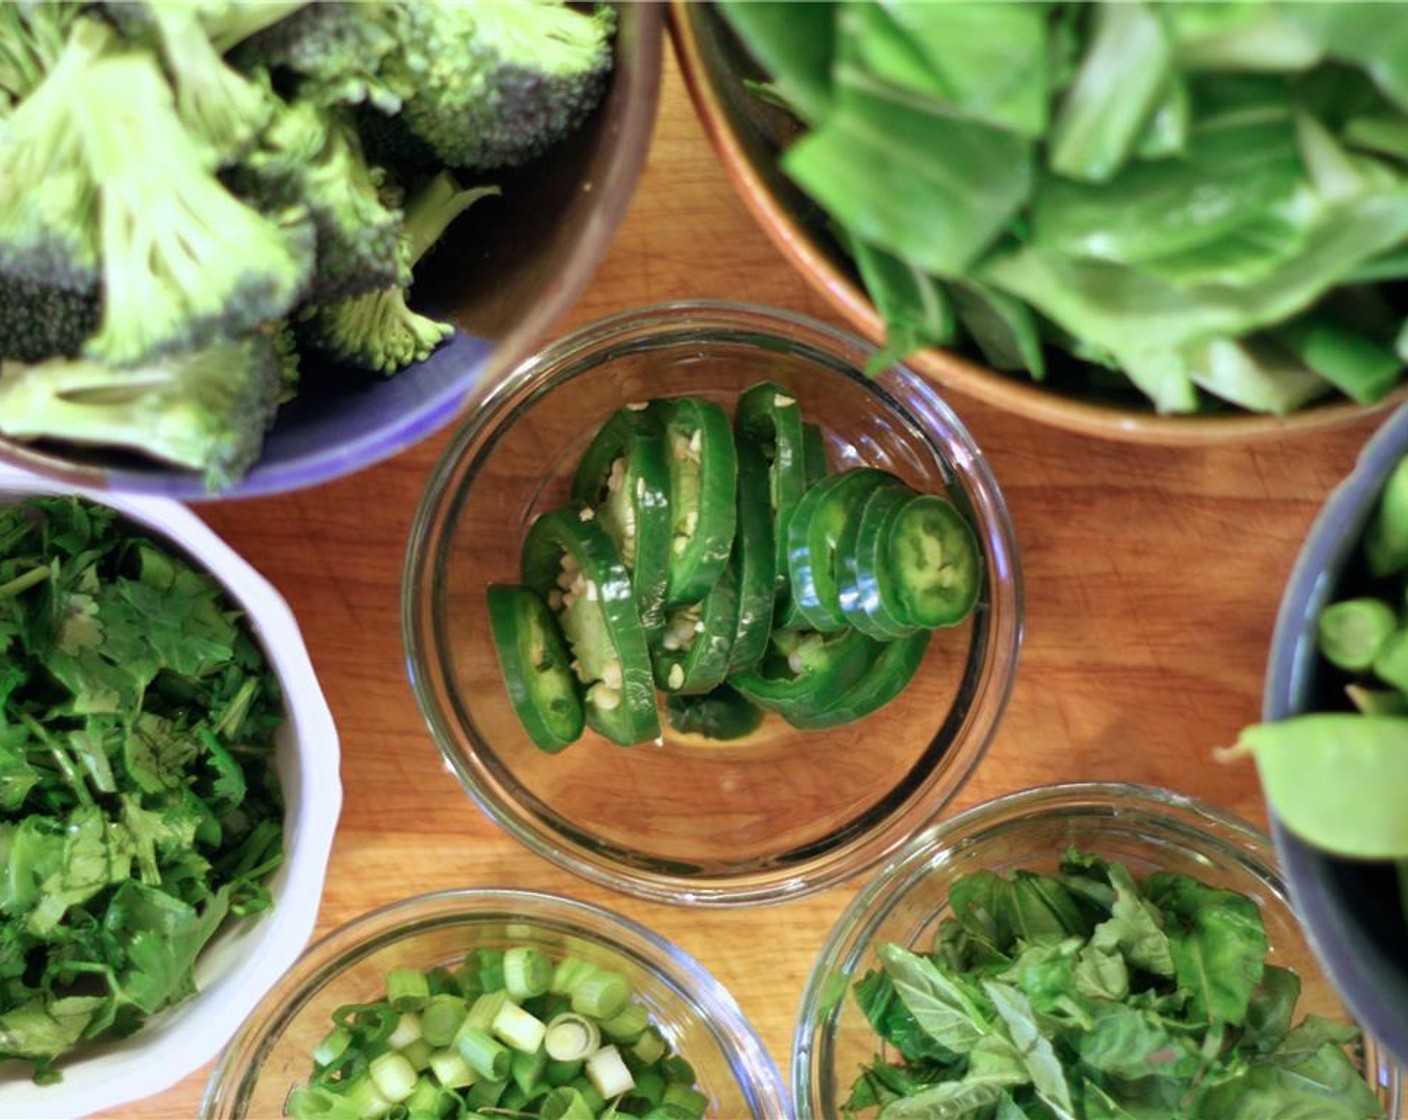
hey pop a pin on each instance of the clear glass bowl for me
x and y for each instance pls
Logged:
(272, 1054)
(1145, 828)
(780, 813)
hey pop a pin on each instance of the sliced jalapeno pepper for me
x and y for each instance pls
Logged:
(934, 559)
(721, 714)
(812, 534)
(814, 454)
(703, 495)
(692, 653)
(866, 591)
(546, 696)
(805, 671)
(886, 678)
(768, 418)
(624, 475)
(569, 560)
(753, 559)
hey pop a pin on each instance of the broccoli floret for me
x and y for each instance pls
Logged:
(331, 52)
(312, 157)
(497, 82)
(40, 320)
(221, 107)
(285, 345)
(378, 331)
(32, 36)
(205, 410)
(183, 260)
(48, 216)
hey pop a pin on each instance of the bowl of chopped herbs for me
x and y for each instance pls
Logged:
(249, 247)
(493, 1002)
(168, 795)
(1085, 950)
(1332, 747)
(1171, 223)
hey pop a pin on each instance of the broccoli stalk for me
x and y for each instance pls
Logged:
(32, 36)
(205, 410)
(378, 331)
(498, 82)
(223, 108)
(183, 260)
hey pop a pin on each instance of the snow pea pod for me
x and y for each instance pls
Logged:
(1336, 779)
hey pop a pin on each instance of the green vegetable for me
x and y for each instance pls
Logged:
(1088, 994)
(212, 172)
(496, 83)
(1195, 202)
(517, 1050)
(677, 511)
(138, 803)
(1333, 777)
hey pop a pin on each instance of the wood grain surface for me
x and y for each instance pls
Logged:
(1152, 580)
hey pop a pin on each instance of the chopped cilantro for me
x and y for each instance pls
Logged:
(138, 803)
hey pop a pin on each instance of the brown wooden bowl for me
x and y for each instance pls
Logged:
(749, 135)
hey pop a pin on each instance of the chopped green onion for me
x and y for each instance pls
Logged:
(527, 972)
(650, 1047)
(486, 1055)
(367, 1099)
(407, 989)
(393, 1076)
(451, 1070)
(333, 1046)
(418, 1054)
(570, 972)
(527, 1070)
(559, 1072)
(571, 1037)
(650, 1086)
(601, 995)
(517, 1028)
(485, 1094)
(442, 1018)
(678, 1071)
(565, 1104)
(595, 1101)
(482, 1011)
(628, 1023)
(407, 1031)
(608, 1073)
(686, 1097)
(430, 1099)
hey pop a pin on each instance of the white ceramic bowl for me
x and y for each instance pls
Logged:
(248, 956)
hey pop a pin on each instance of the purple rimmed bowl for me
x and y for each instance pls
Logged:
(503, 275)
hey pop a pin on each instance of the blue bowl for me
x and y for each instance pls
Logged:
(1350, 909)
(506, 272)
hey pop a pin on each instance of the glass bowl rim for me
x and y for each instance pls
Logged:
(345, 945)
(1216, 830)
(672, 323)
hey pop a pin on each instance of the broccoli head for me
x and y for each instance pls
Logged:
(205, 410)
(48, 215)
(498, 82)
(331, 52)
(183, 260)
(39, 320)
(312, 157)
(379, 331)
